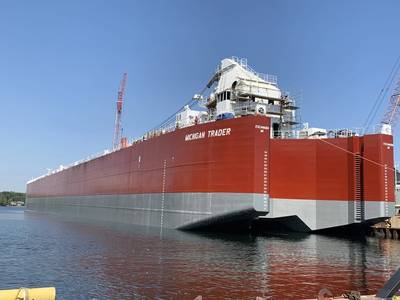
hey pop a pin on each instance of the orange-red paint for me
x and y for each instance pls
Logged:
(245, 161)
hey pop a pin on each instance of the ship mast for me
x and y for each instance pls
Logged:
(120, 99)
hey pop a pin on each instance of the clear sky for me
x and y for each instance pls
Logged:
(61, 63)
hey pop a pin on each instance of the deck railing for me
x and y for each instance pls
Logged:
(273, 79)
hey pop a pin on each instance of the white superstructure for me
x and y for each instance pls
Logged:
(237, 90)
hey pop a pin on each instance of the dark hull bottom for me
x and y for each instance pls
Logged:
(295, 224)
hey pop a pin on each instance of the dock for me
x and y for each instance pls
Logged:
(389, 229)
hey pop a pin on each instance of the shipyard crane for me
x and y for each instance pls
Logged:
(392, 110)
(389, 118)
(120, 100)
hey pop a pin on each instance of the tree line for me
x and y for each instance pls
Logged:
(7, 197)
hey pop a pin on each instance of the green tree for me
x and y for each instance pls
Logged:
(7, 197)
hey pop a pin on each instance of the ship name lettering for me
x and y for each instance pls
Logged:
(195, 136)
(219, 132)
(210, 134)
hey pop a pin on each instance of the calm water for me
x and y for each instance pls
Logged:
(102, 261)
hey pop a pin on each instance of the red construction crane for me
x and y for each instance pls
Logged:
(120, 100)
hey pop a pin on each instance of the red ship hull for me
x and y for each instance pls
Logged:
(228, 170)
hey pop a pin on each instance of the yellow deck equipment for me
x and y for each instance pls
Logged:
(47, 293)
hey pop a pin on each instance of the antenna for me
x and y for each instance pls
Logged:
(120, 100)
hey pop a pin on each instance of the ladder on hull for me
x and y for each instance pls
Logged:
(359, 206)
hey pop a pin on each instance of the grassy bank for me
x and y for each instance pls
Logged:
(11, 198)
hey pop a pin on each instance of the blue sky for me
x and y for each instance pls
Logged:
(61, 63)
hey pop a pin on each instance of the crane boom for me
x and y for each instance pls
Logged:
(120, 100)
(392, 110)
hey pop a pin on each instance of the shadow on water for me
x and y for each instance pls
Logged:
(87, 260)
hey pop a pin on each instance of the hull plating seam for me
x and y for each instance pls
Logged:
(145, 209)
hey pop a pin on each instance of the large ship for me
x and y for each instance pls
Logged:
(235, 154)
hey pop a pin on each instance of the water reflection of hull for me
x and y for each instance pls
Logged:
(138, 263)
